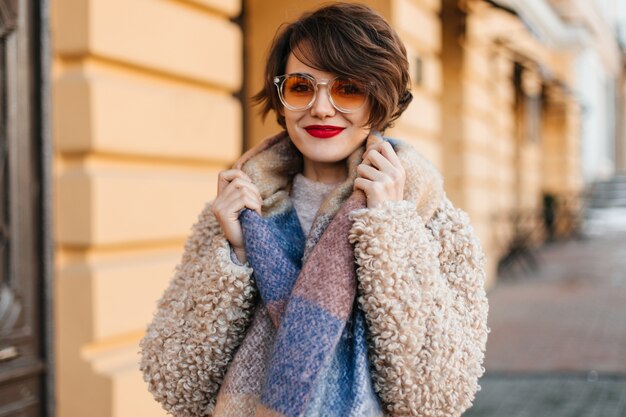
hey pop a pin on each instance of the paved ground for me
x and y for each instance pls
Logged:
(558, 342)
(550, 396)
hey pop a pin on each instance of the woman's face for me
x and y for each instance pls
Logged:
(306, 126)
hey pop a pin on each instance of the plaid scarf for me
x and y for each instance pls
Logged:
(305, 353)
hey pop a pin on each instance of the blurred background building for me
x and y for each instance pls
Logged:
(116, 116)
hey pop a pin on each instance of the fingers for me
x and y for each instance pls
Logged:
(236, 192)
(239, 183)
(381, 175)
(247, 193)
(226, 177)
(364, 184)
(370, 173)
(374, 191)
(388, 152)
(371, 187)
(235, 179)
(239, 199)
(384, 159)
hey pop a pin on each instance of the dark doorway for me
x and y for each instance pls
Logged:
(22, 354)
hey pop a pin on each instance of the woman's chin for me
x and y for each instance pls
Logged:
(326, 158)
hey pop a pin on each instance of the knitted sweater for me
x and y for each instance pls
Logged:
(307, 197)
(420, 282)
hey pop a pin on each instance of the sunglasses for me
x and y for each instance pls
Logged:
(299, 91)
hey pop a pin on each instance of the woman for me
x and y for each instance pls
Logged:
(330, 276)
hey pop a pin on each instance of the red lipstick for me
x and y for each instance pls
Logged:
(324, 131)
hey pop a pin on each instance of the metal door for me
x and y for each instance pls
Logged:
(21, 353)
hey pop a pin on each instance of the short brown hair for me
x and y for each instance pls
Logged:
(350, 40)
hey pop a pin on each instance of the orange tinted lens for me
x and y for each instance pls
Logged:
(348, 94)
(298, 91)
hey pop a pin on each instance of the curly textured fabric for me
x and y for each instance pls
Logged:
(420, 288)
(426, 307)
(200, 321)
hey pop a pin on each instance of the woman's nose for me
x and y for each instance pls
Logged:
(322, 107)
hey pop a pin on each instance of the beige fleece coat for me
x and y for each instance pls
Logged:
(420, 276)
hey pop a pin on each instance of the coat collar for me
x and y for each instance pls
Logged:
(274, 162)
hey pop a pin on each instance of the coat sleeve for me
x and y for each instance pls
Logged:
(199, 323)
(421, 287)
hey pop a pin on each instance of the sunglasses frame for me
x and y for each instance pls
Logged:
(279, 80)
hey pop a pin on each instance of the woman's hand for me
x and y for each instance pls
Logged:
(380, 175)
(235, 191)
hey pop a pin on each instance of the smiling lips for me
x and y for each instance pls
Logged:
(324, 131)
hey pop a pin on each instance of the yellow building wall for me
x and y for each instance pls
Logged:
(419, 26)
(491, 171)
(477, 125)
(143, 118)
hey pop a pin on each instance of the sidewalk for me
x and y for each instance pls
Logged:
(557, 346)
(549, 396)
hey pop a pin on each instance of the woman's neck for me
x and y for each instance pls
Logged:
(325, 172)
